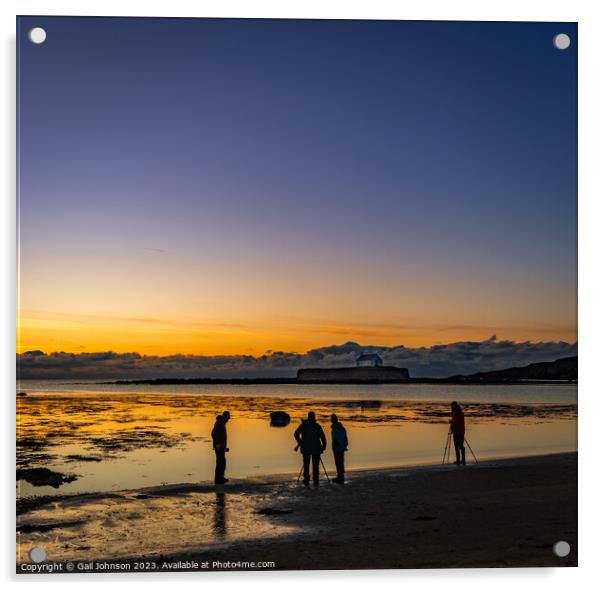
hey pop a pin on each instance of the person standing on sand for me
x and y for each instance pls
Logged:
(312, 440)
(457, 429)
(339, 446)
(220, 446)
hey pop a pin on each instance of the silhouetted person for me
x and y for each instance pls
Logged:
(220, 446)
(339, 446)
(312, 440)
(457, 429)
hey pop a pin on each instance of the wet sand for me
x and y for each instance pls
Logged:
(502, 513)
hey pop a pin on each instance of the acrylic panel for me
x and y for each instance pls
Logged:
(295, 294)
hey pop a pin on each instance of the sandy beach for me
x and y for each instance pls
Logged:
(499, 513)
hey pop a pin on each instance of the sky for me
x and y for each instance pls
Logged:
(439, 360)
(234, 187)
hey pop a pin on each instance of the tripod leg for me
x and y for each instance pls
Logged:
(300, 473)
(324, 468)
(474, 456)
(445, 450)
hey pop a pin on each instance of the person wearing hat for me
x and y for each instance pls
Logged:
(457, 429)
(220, 446)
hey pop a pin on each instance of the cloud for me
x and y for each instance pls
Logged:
(439, 360)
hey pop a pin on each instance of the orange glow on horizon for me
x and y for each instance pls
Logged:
(162, 306)
(162, 337)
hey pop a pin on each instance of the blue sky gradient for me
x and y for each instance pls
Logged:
(388, 162)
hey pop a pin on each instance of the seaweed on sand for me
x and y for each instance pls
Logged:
(42, 476)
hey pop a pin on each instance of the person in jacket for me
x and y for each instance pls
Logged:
(457, 430)
(311, 439)
(339, 446)
(220, 446)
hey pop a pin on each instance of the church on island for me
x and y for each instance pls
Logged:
(369, 368)
(369, 359)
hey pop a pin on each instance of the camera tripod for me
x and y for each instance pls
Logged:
(447, 450)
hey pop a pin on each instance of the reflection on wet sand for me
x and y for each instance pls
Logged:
(219, 516)
(146, 524)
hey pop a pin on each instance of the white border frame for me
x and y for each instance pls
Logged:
(587, 14)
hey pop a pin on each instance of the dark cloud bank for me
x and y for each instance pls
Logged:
(441, 360)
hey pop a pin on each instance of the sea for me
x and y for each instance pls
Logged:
(101, 437)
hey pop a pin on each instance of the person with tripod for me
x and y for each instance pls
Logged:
(311, 439)
(457, 429)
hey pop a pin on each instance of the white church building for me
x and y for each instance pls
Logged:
(369, 359)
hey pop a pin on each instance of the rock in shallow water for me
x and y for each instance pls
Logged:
(41, 476)
(279, 418)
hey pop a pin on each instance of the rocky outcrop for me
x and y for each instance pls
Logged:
(41, 476)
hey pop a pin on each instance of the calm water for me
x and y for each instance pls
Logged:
(123, 437)
(553, 393)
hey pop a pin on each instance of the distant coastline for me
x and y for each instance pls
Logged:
(559, 371)
(295, 381)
